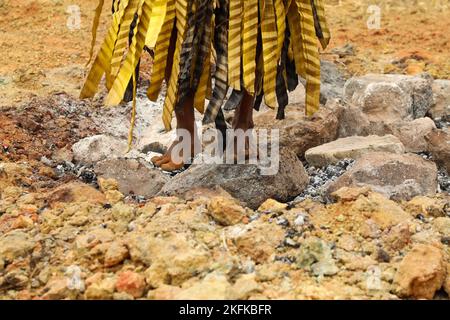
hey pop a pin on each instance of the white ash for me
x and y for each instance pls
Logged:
(82, 172)
(443, 181)
(442, 123)
(319, 177)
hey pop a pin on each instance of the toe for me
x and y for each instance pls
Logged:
(170, 166)
(156, 159)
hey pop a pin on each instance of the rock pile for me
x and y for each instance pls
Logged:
(80, 243)
(358, 208)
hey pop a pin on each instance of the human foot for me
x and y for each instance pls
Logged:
(182, 150)
(186, 144)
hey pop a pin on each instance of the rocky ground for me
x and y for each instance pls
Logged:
(355, 212)
(360, 208)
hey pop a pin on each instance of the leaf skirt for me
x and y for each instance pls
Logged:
(202, 48)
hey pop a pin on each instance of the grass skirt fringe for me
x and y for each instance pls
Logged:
(260, 46)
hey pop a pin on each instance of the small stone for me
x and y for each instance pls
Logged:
(447, 280)
(298, 132)
(92, 238)
(226, 211)
(22, 222)
(347, 242)
(15, 244)
(315, 255)
(421, 207)
(421, 273)
(115, 254)
(254, 242)
(182, 257)
(114, 196)
(63, 155)
(300, 220)
(75, 282)
(17, 279)
(413, 133)
(345, 194)
(107, 184)
(271, 205)
(441, 91)
(131, 282)
(244, 287)
(446, 241)
(57, 289)
(398, 237)
(291, 243)
(442, 225)
(383, 214)
(387, 98)
(101, 290)
(75, 192)
(212, 287)
(165, 292)
(157, 275)
(122, 296)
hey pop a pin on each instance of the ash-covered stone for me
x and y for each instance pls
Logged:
(442, 123)
(82, 172)
(87, 175)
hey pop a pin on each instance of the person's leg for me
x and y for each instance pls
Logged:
(243, 116)
(242, 122)
(184, 115)
(186, 121)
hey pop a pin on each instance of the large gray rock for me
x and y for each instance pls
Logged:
(399, 177)
(441, 107)
(135, 176)
(96, 148)
(354, 122)
(299, 132)
(244, 182)
(389, 98)
(352, 148)
(412, 133)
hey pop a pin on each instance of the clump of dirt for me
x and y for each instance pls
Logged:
(41, 133)
(42, 127)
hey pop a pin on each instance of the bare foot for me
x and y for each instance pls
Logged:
(176, 156)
